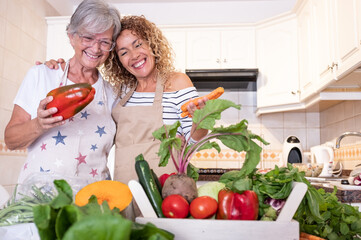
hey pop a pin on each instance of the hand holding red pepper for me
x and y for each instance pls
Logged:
(71, 99)
(235, 206)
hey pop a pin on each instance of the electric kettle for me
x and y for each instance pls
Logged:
(323, 155)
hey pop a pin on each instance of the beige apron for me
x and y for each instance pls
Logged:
(135, 126)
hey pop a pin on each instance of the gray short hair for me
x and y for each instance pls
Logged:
(95, 16)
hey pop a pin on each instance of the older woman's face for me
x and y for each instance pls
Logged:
(90, 48)
(135, 54)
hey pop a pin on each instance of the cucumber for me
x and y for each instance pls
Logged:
(149, 185)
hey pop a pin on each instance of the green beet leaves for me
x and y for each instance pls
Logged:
(236, 137)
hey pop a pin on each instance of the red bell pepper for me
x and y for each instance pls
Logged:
(164, 177)
(224, 204)
(71, 99)
(236, 206)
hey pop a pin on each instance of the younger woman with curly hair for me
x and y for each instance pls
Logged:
(151, 94)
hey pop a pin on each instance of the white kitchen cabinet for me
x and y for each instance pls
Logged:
(177, 39)
(277, 55)
(324, 53)
(346, 22)
(337, 31)
(58, 45)
(216, 48)
(329, 44)
(306, 48)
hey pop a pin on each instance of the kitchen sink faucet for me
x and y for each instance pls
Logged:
(338, 140)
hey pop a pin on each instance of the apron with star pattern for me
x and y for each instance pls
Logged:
(79, 148)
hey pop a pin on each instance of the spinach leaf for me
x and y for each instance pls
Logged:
(104, 227)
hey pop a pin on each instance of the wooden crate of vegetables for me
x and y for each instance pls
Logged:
(244, 204)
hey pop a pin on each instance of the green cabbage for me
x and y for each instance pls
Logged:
(210, 189)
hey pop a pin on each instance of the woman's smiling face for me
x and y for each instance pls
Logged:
(135, 54)
(90, 56)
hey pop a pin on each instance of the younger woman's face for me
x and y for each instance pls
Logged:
(135, 55)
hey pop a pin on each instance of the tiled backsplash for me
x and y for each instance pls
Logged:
(349, 156)
(274, 128)
(311, 128)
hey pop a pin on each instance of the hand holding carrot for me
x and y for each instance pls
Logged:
(189, 107)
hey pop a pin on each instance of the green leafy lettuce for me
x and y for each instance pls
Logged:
(62, 219)
(320, 213)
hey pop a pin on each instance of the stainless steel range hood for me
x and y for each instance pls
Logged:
(229, 79)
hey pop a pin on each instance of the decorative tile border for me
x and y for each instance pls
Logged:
(5, 151)
(269, 158)
(348, 153)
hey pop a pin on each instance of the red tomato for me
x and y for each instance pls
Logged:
(175, 206)
(203, 207)
(164, 177)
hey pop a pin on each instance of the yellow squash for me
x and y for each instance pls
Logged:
(117, 194)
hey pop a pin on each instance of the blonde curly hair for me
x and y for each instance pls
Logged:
(118, 76)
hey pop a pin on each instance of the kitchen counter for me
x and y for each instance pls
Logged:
(212, 174)
(343, 195)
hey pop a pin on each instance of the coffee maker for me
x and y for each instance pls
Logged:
(292, 151)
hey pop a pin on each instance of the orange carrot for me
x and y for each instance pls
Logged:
(307, 236)
(212, 95)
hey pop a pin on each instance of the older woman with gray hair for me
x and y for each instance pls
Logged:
(75, 148)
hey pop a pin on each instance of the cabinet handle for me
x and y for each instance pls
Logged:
(329, 67)
(295, 92)
(334, 65)
(218, 61)
(225, 60)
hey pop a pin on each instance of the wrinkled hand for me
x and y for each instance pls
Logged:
(192, 107)
(52, 63)
(44, 119)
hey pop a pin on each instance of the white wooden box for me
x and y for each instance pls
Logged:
(284, 228)
(204, 229)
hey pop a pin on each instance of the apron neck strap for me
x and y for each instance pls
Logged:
(158, 97)
(64, 78)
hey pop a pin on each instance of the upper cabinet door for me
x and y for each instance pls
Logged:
(337, 34)
(324, 41)
(238, 48)
(306, 50)
(347, 35)
(233, 48)
(277, 84)
(203, 49)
